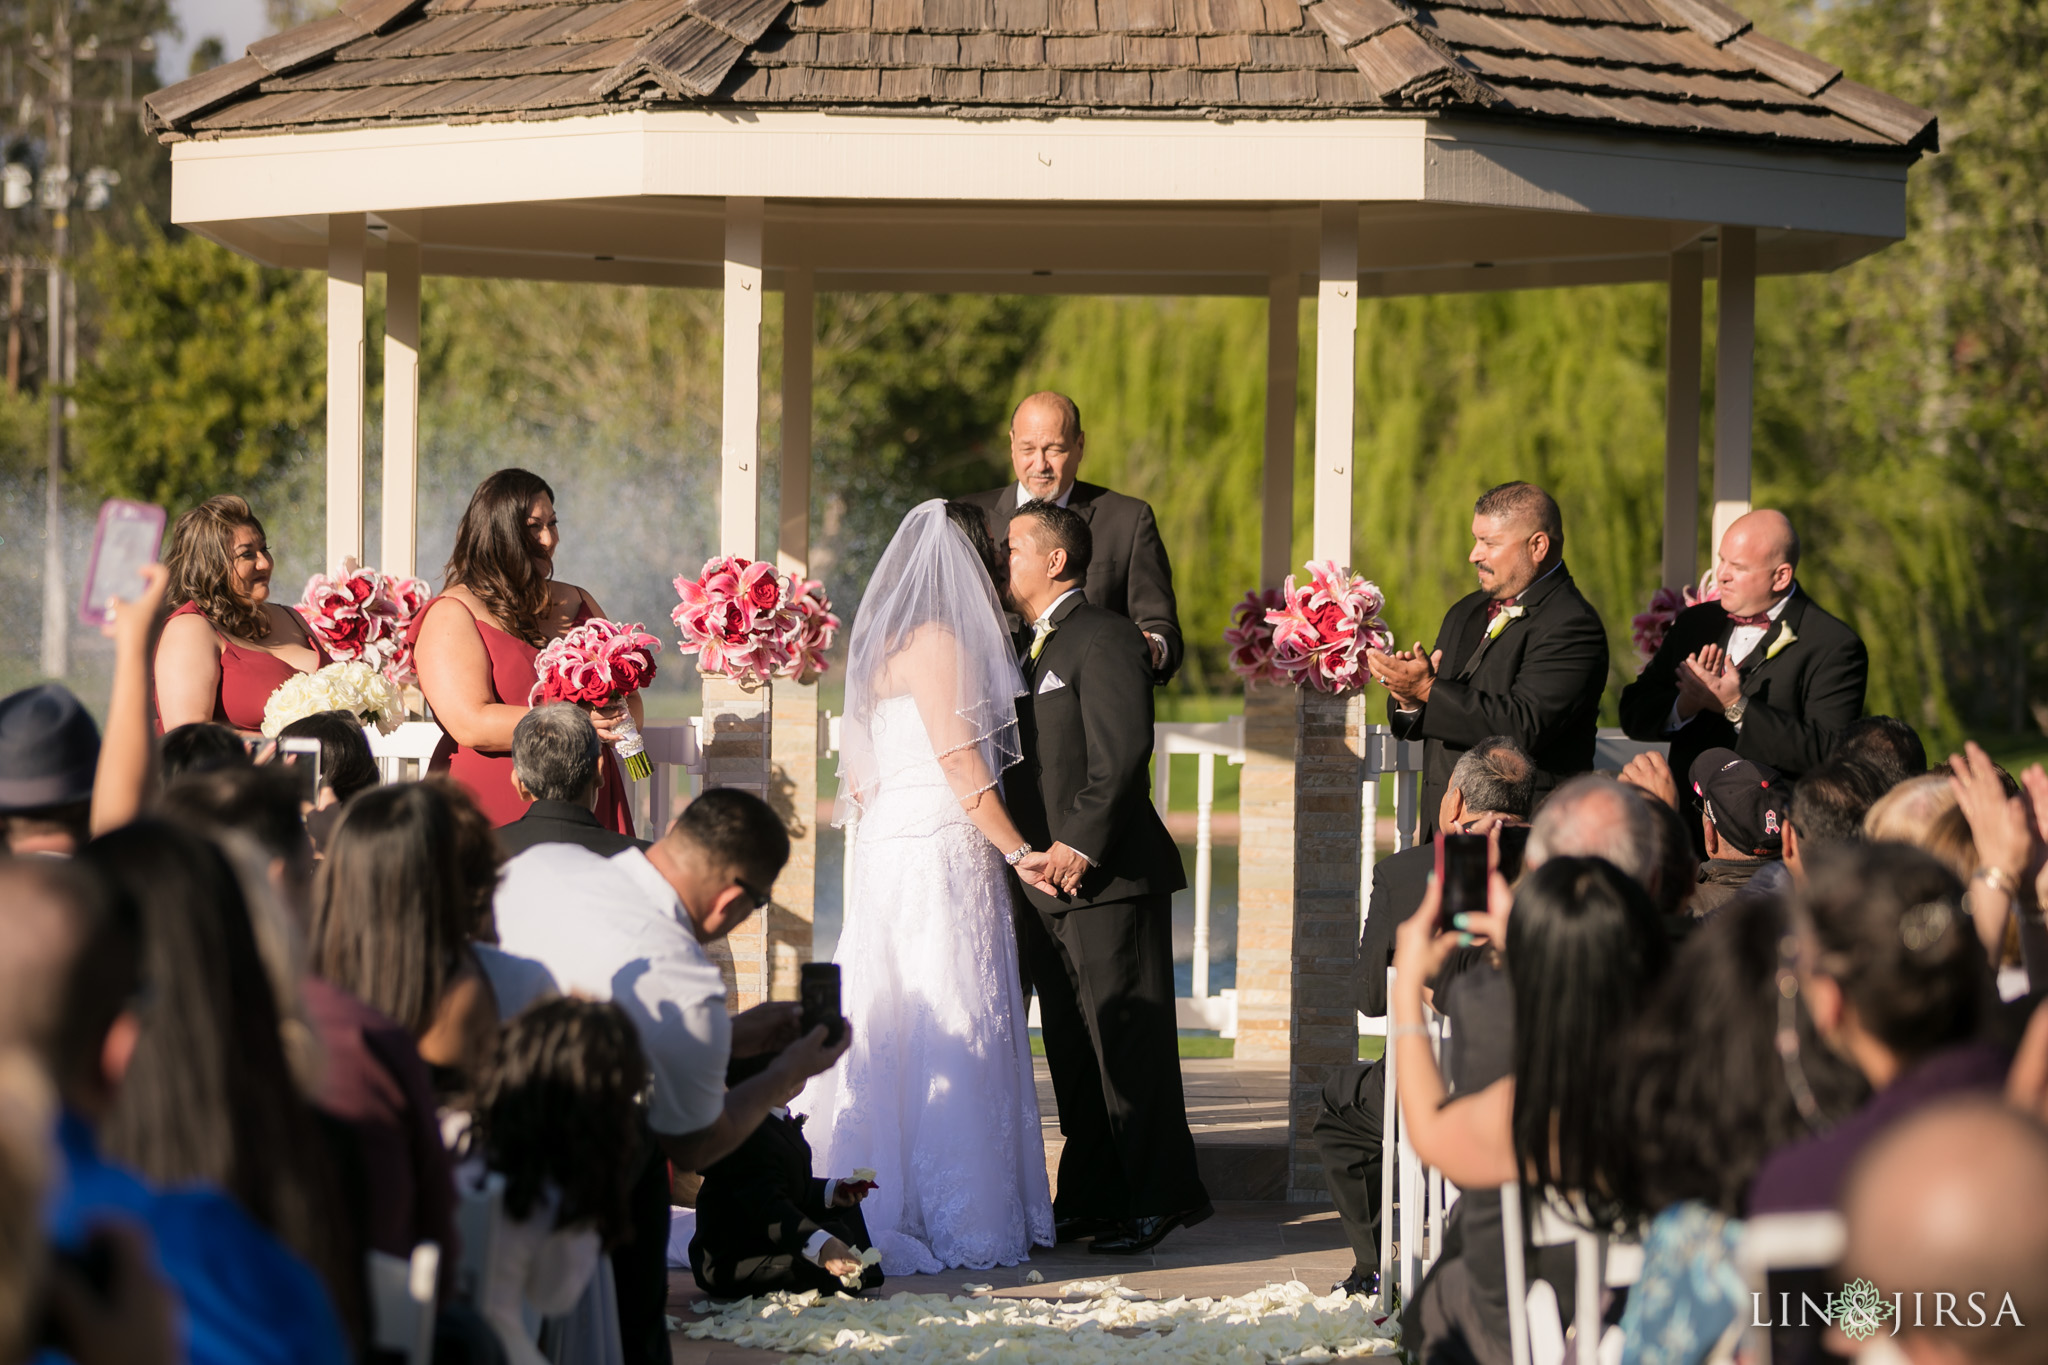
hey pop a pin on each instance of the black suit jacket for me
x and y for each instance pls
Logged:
(1398, 881)
(1086, 726)
(1128, 571)
(1538, 682)
(1800, 698)
(563, 822)
(761, 1198)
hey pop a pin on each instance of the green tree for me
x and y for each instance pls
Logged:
(208, 372)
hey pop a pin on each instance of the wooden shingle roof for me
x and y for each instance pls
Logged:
(1662, 66)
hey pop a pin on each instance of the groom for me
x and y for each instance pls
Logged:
(1100, 954)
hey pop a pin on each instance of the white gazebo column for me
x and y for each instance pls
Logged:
(1682, 423)
(793, 728)
(1265, 847)
(345, 386)
(1734, 378)
(736, 722)
(400, 551)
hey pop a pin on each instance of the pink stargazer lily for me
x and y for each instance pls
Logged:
(1322, 629)
(746, 621)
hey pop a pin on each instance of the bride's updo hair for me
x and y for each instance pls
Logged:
(974, 525)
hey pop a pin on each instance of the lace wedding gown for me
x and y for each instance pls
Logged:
(936, 1093)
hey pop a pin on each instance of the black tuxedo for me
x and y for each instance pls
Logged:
(1398, 883)
(1128, 571)
(758, 1206)
(1102, 961)
(1538, 682)
(1801, 694)
(563, 822)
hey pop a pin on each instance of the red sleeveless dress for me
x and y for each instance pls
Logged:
(487, 773)
(248, 676)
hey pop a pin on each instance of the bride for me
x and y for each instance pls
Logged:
(936, 1094)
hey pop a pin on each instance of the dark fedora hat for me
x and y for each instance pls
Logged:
(49, 747)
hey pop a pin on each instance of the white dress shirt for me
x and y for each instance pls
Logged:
(1742, 642)
(1025, 495)
(612, 929)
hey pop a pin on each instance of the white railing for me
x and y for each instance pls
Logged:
(1208, 742)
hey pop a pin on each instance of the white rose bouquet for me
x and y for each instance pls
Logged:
(355, 687)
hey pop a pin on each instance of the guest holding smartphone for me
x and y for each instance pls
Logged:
(474, 646)
(226, 646)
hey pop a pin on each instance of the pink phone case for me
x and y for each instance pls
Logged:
(129, 535)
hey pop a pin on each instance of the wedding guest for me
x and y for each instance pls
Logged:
(1908, 811)
(1742, 816)
(1129, 572)
(208, 1096)
(559, 1118)
(1888, 745)
(1763, 670)
(767, 1222)
(227, 646)
(1596, 816)
(1584, 949)
(631, 929)
(1677, 864)
(475, 644)
(49, 755)
(1491, 782)
(1895, 981)
(1828, 807)
(557, 761)
(1525, 656)
(200, 747)
(1930, 1220)
(346, 764)
(515, 982)
(1701, 1120)
(71, 973)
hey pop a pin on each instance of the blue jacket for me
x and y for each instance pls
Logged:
(247, 1299)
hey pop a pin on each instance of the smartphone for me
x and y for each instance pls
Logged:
(1461, 872)
(818, 984)
(301, 758)
(129, 535)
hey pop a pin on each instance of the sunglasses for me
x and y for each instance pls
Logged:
(760, 897)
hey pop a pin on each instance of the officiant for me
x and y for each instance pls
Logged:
(1129, 574)
(1524, 657)
(1763, 670)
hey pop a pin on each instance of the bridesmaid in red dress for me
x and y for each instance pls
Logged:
(227, 646)
(475, 644)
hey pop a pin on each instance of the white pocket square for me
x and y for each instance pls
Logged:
(1051, 682)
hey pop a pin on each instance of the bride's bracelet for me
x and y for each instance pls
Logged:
(1023, 851)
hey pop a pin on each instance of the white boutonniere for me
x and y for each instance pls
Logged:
(1501, 618)
(1785, 637)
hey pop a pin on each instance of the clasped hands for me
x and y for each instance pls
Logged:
(1408, 674)
(1056, 872)
(1707, 682)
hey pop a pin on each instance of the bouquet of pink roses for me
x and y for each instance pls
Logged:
(1250, 638)
(749, 622)
(1322, 629)
(596, 664)
(1651, 624)
(361, 615)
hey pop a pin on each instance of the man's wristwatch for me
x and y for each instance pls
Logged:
(1023, 851)
(1734, 709)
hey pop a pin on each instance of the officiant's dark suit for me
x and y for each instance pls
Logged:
(1128, 572)
(1801, 694)
(1101, 958)
(1538, 681)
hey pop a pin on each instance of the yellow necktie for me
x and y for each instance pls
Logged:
(1041, 629)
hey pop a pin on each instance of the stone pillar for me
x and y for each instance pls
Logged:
(345, 387)
(1265, 875)
(1323, 942)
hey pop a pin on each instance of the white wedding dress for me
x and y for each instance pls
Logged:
(936, 1093)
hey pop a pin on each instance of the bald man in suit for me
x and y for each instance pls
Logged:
(1129, 574)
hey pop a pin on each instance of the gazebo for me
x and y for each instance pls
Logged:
(1330, 149)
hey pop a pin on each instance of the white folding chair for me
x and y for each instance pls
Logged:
(478, 1217)
(402, 1302)
(1780, 1241)
(1422, 1195)
(1535, 1322)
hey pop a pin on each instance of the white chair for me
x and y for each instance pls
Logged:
(402, 1302)
(1535, 1322)
(1779, 1241)
(478, 1217)
(1422, 1194)
(412, 742)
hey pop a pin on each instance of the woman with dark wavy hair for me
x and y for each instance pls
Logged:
(227, 646)
(1584, 949)
(474, 645)
(559, 1117)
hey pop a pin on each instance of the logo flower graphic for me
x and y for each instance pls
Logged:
(1860, 1310)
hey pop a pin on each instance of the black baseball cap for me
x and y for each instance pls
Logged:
(49, 747)
(1747, 801)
